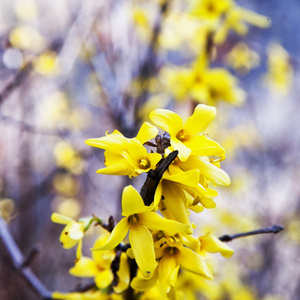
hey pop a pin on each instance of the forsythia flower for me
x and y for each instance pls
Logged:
(138, 219)
(125, 156)
(236, 19)
(280, 72)
(242, 58)
(172, 255)
(203, 84)
(188, 137)
(98, 266)
(72, 233)
(209, 243)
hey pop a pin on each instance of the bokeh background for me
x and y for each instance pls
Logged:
(72, 70)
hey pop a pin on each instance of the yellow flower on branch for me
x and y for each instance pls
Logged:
(72, 233)
(210, 243)
(99, 267)
(188, 137)
(172, 255)
(124, 156)
(139, 220)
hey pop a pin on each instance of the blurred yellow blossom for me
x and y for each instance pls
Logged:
(26, 37)
(280, 72)
(236, 19)
(69, 207)
(66, 184)
(242, 58)
(47, 64)
(67, 157)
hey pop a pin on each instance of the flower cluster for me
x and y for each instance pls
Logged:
(160, 233)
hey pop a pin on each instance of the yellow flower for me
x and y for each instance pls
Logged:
(210, 243)
(187, 137)
(172, 255)
(203, 84)
(138, 219)
(211, 10)
(184, 186)
(242, 58)
(280, 72)
(236, 19)
(98, 266)
(125, 156)
(72, 233)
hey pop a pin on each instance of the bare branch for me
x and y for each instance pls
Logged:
(18, 262)
(274, 229)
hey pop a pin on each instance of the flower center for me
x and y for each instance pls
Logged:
(144, 163)
(172, 250)
(133, 219)
(182, 135)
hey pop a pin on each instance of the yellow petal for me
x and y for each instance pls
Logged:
(154, 221)
(154, 159)
(201, 118)
(85, 267)
(175, 203)
(71, 234)
(207, 169)
(120, 168)
(112, 142)
(75, 230)
(202, 145)
(60, 219)
(146, 133)
(166, 268)
(183, 150)
(141, 242)
(123, 274)
(212, 244)
(188, 178)
(158, 194)
(104, 278)
(132, 202)
(116, 236)
(167, 120)
(142, 284)
(194, 263)
(79, 250)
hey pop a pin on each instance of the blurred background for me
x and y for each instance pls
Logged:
(72, 70)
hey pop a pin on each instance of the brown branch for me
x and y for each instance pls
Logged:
(19, 261)
(154, 176)
(274, 229)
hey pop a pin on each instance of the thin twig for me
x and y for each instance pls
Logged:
(274, 229)
(18, 262)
